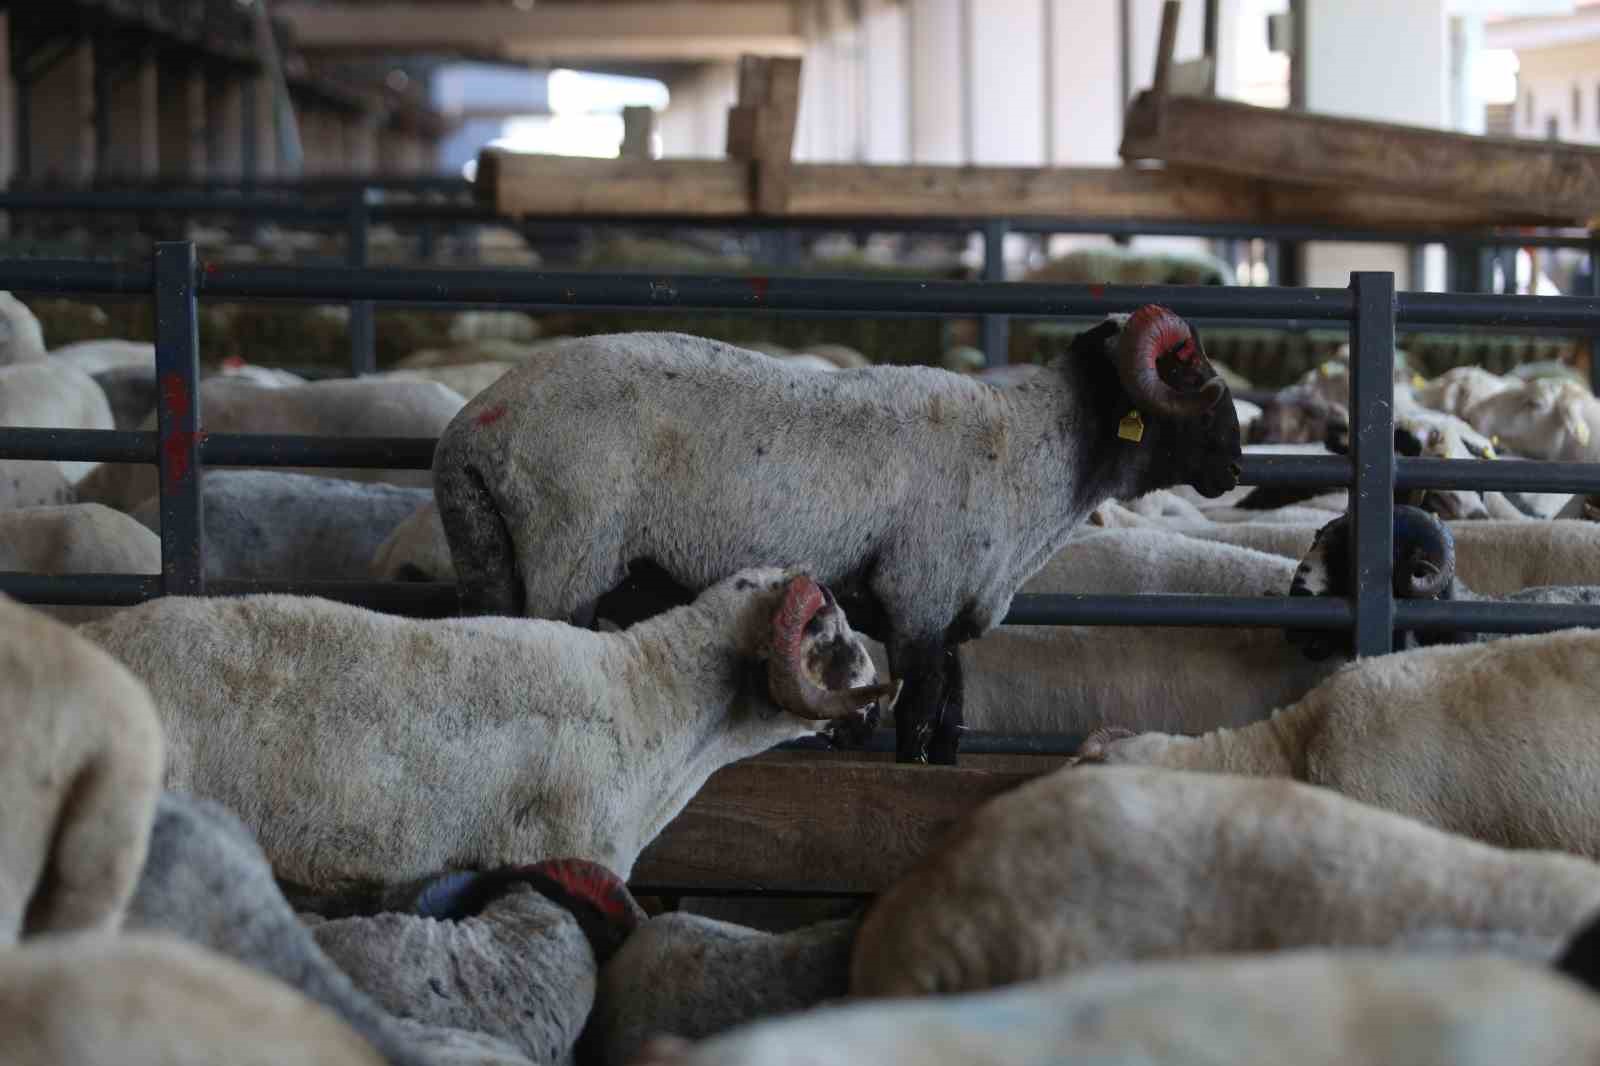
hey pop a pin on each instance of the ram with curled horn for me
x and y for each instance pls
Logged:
(924, 498)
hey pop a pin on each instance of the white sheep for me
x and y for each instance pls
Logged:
(338, 408)
(1311, 1008)
(1542, 419)
(931, 493)
(415, 550)
(693, 977)
(80, 770)
(21, 335)
(154, 1001)
(364, 749)
(464, 379)
(80, 538)
(1090, 865)
(1456, 390)
(1487, 740)
(50, 396)
(269, 525)
(489, 953)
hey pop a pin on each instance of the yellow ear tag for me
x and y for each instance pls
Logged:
(1495, 440)
(1417, 381)
(1131, 427)
(1489, 453)
(1583, 433)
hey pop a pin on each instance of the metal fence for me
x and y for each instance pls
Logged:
(1370, 308)
(354, 205)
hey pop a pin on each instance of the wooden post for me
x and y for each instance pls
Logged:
(761, 127)
(182, 122)
(61, 122)
(638, 131)
(1161, 84)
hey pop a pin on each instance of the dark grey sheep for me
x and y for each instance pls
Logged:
(268, 524)
(688, 976)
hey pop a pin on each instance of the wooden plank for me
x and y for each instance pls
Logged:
(761, 127)
(814, 825)
(1546, 178)
(523, 184)
(638, 130)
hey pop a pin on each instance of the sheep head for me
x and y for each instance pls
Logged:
(1423, 568)
(1543, 419)
(1164, 371)
(818, 668)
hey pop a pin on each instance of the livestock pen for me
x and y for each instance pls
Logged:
(757, 826)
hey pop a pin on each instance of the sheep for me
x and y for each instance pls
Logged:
(339, 408)
(263, 524)
(941, 494)
(1456, 390)
(154, 1001)
(415, 550)
(82, 538)
(364, 749)
(99, 356)
(1132, 561)
(1111, 264)
(131, 392)
(1313, 1008)
(464, 379)
(21, 336)
(207, 881)
(80, 770)
(1089, 865)
(25, 484)
(694, 977)
(1486, 740)
(491, 350)
(841, 356)
(469, 326)
(50, 396)
(1542, 419)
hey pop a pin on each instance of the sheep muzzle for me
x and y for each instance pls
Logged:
(1154, 334)
(789, 681)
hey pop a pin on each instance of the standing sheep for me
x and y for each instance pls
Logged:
(1492, 741)
(364, 749)
(79, 538)
(1092, 865)
(934, 494)
(80, 770)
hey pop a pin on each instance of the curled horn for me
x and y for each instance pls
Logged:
(1151, 332)
(787, 681)
(1429, 562)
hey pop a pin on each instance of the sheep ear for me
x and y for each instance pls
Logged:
(1102, 338)
(1580, 959)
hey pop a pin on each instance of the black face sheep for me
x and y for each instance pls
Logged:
(1090, 865)
(80, 770)
(364, 749)
(689, 976)
(933, 494)
(501, 964)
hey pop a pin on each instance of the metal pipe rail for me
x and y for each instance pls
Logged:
(1370, 307)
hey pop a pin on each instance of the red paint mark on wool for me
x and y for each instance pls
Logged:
(491, 415)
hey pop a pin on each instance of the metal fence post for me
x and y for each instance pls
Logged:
(178, 421)
(1594, 290)
(363, 336)
(996, 328)
(1372, 450)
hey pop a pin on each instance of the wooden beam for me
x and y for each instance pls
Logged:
(679, 30)
(518, 184)
(1542, 178)
(814, 824)
(761, 127)
(638, 131)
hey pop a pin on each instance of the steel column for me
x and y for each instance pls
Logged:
(996, 341)
(1594, 290)
(178, 421)
(1372, 452)
(363, 335)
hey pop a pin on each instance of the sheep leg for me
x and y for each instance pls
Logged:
(947, 733)
(923, 702)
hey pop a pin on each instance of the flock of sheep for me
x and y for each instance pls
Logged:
(275, 828)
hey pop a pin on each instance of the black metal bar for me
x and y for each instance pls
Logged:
(766, 293)
(1507, 475)
(363, 337)
(78, 445)
(76, 276)
(257, 449)
(432, 599)
(1429, 308)
(996, 341)
(1372, 453)
(81, 590)
(1493, 616)
(1163, 610)
(1301, 471)
(1594, 290)
(178, 420)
